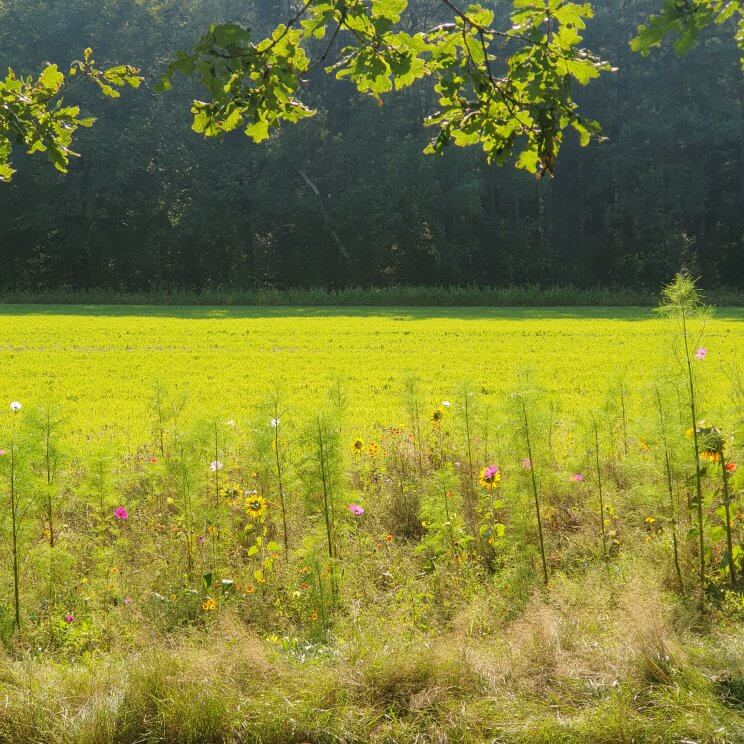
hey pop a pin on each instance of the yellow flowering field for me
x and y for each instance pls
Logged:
(102, 363)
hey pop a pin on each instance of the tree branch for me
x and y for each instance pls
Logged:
(341, 247)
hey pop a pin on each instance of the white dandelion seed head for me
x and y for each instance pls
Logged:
(15, 406)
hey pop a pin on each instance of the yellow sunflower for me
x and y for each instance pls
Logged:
(438, 416)
(231, 491)
(255, 506)
(490, 476)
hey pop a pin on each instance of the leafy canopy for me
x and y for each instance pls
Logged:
(506, 88)
(684, 19)
(34, 115)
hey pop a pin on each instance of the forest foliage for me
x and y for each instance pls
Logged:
(346, 197)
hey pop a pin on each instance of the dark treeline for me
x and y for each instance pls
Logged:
(151, 205)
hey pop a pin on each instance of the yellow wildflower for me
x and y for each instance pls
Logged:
(255, 506)
(209, 605)
(490, 476)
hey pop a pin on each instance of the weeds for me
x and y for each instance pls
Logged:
(401, 296)
(529, 465)
(682, 302)
(197, 593)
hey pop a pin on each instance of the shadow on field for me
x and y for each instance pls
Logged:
(402, 313)
(393, 313)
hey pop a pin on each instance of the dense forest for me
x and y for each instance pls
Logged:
(347, 198)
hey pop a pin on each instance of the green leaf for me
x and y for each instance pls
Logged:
(51, 79)
(6, 172)
(480, 16)
(582, 70)
(230, 34)
(258, 131)
(122, 75)
(529, 159)
(728, 11)
(573, 14)
(389, 9)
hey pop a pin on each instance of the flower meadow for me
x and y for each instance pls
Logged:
(476, 570)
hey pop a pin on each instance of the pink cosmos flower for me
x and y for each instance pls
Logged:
(121, 513)
(701, 353)
(526, 463)
(490, 472)
(69, 618)
(577, 478)
(356, 510)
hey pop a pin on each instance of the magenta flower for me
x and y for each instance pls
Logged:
(701, 353)
(69, 618)
(201, 539)
(121, 514)
(526, 463)
(491, 472)
(356, 510)
(578, 478)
